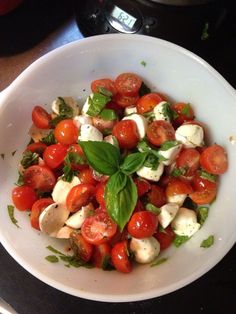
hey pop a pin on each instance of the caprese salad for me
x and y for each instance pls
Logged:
(122, 178)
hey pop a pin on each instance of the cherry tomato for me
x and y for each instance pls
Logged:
(126, 133)
(147, 102)
(214, 159)
(81, 248)
(54, 155)
(106, 83)
(66, 132)
(101, 255)
(157, 196)
(178, 186)
(23, 197)
(41, 118)
(142, 224)
(201, 184)
(36, 210)
(100, 193)
(203, 197)
(98, 229)
(184, 112)
(80, 195)
(86, 176)
(128, 84)
(120, 257)
(189, 160)
(39, 178)
(126, 101)
(38, 148)
(165, 237)
(76, 148)
(159, 132)
(143, 186)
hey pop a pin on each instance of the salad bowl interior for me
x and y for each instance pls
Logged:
(68, 71)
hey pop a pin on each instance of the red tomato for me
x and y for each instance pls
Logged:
(80, 195)
(82, 249)
(86, 176)
(201, 184)
(184, 112)
(189, 160)
(76, 148)
(214, 159)
(120, 257)
(39, 178)
(142, 224)
(98, 229)
(106, 83)
(159, 132)
(143, 186)
(203, 197)
(147, 102)
(177, 186)
(66, 132)
(157, 196)
(128, 84)
(36, 210)
(41, 118)
(101, 255)
(164, 181)
(126, 101)
(165, 238)
(114, 106)
(23, 197)
(38, 148)
(126, 133)
(54, 155)
(100, 193)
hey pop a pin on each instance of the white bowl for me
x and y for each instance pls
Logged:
(68, 71)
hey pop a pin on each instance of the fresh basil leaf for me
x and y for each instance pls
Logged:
(186, 110)
(151, 161)
(207, 242)
(208, 176)
(133, 162)
(64, 109)
(101, 156)
(52, 258)
(177, 172)
(49, 139)
(71, 158)
(168, 144)
(167, 112)
(150, 116)
(20, 180)
(202, 214)
(10, 210)
(56, 120)
(52, 249)
(152, 208)
(159, 261)
(97, 103)
(29, 158)
(108, 114)
(144, 90)
(120, 198)
(104, 91)
(179, 240)
(143, 146)
(75, 262)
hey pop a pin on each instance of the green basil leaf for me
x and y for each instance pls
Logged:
(202, 214)
(108, 114)
(207, 242)
(120, 198)
(97, 103)
(10, 210)
(101, 156)
(52, 258)
(179, 240)
(29, 158)
(64, 109)
(133, 162)
(104, 91)
(151, 162)
(167, 112)
(152, 208)
(49, 139)
(159, 261)
(144, 90)
(168, 144)
(208, 176)
(150, 116)
(186, 110)
(20, 180)
(143, 146)
(52, 249)
(177, 172)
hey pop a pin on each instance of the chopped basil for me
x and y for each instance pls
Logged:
(104, 91)
(168, 144)
(65, 112)
(20, 180)
(179, 240)
(29, 158)
(106, 265)
(143, 63)
(144, 90)
(152, 208)
(49, 139)
(13, 153)
(50, 248)
(152, 162)
(71, 157)
(52, 258)
(202, 214)
(143, 146)
(177, 172)
(167, 112)
(108, 114)
(150, 116)
(208, 176)
(205, 33)
(97, 103)
(10, 210)
(159, 261)
(3, 156)
(186, 110)
(207, 242)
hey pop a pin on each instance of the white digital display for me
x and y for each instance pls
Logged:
(123, 17)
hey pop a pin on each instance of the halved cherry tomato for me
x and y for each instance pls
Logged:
(81, 248)
(101, 255)
(214, 159)
(184, 112)
(201, 184)
(23, 197)
(178, 186)
(126, 101)
(80, 195)
(157, 196)
(86, 176)
(126, 133)
(66, 132)
(98, 229)
(147, 102)
(160, 131)
(165, 237)
(203, 197)
(142, 224)
(189, 160)
(41, 118)
(39, 178)
(120, 257)
(106, 83)
(38, 148)
(128, 84)
(143, 186)
(36, 210)
(100, 193)
(54, 155)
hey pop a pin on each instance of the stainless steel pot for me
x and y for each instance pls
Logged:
(182, 2)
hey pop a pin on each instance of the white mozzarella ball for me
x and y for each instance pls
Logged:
(167, 214)
(86, 105)
(80, 120)
(170, 154)
(190, 135)
(145, 250)
(141, 123)
(130, 110)
(89, 133)
(159, 111)
(149, 174)
(62, 188)
(177, 199)
(185, 222)
(76, 220)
